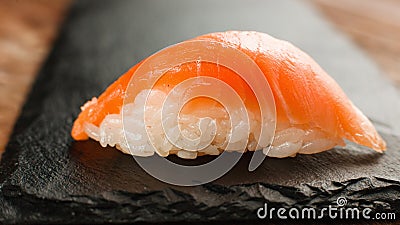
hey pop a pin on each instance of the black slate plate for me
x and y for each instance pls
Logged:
(46, 177)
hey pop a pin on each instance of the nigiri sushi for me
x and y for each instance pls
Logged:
(313, 114)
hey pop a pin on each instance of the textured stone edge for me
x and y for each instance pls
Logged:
(238, 202)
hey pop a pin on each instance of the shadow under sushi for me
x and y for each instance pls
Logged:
(119, 171)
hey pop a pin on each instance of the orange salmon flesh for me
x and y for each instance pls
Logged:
(304, 93)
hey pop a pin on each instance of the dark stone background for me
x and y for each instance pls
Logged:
(46, 177)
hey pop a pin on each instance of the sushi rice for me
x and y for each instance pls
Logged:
(288, 141)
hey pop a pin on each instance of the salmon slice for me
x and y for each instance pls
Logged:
(307, 99)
